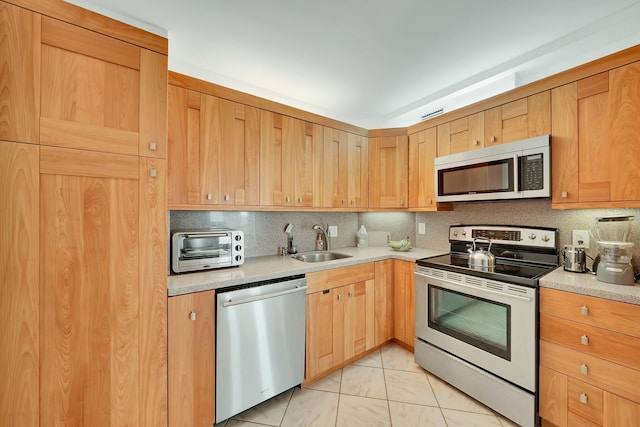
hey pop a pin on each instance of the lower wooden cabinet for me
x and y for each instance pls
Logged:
(340, 316)
(589, 373)
(383, 297)
(404, 302)
(191, 371)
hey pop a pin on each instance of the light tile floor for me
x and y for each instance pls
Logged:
(385, 389)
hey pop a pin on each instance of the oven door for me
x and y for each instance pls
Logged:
(489, 324)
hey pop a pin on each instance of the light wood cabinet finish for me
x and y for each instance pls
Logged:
(461, 135)
(20, 81)
(384, 298)
(357, 171)
(422, 152)
(192, 359)
(19, 293)
(521, 119)
(404, 302)
(388, 172)
(589, 374)
(340, 317)
(596, 129)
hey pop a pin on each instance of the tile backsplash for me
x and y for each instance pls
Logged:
(264, 231)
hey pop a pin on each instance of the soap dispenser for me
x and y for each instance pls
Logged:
(363, 238)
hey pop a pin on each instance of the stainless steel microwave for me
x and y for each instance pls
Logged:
(206, 249)
(515, 170)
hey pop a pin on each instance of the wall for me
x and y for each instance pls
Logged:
(524, 212)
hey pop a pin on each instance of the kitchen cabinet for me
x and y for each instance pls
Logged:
(595, 132)
(191, 383)
(340, 317)
(101, 94)
(344, 170)
(524, 118)
(20, 83)
(290, 158)
(388, 172)
(461, 135)
(19, 293)
(404, 302)
(383, 301)
(422, 152)
(588, 366)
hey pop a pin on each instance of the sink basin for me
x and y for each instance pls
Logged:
(319, 256)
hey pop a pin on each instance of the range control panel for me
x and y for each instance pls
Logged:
(534, 237)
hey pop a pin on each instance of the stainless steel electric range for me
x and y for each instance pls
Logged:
(477, 326)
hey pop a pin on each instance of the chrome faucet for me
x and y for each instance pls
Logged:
(325, 234)
(290, 247)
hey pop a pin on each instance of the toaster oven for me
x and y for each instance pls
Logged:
(206, 249)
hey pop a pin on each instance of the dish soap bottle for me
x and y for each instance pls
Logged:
(363, 238)
(319, 242)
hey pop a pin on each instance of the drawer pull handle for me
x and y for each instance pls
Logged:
(584, 369)
(584, 398)
(584, 310)
(192, 316)
(339, 297)
(584, 340)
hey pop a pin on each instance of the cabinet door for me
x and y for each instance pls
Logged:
(620, 412)
(358, 171)
(422, 152)
(335, 174)
(90, 289)
(404, 301)
(358, 318)
(19, 293)
(184, 146)
(383, 295)
(325, 343)
(388, 172)
(192, 359)
(564, 162)
(553, 396)
(520, 119)
(301, 156)
(20, 83)
(270, 159)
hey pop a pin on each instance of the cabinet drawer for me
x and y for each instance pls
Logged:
(612, 346)
(607, 314)
(335, 277)
(609, 376)
(585, 400)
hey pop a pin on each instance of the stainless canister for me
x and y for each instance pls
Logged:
(575, 259)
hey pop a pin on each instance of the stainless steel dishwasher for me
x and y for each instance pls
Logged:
(260, 342)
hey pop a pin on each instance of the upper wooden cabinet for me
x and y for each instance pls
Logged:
(290, 158)
(20, 82)
(596, 155)
(101, 94)
(521, 119)
(422, 152)
(345, 169)
(461, 135)
(388, 172)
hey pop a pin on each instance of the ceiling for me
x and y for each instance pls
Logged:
(377, 63)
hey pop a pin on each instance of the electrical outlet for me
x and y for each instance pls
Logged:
(333, 231)
(421, 229)
(581, 238)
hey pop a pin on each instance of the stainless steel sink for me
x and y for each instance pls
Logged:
(319, 256)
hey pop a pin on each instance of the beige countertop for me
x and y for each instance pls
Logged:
(586, 284)
(271, 267)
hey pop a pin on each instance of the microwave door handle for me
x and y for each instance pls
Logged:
(516, 173)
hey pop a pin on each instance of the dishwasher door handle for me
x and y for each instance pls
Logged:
(265, 296)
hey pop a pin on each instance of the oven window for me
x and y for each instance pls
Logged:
(488, 177)
(207, 246)
(480, 322)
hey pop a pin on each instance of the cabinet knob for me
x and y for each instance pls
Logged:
(584, 398)
(342, 201)
(339, 297)
(192, 316)
(492, 139)
(350, 294)
(209, 196)
(288, 199)
(401, 202)
(227, 197)
(153, 146)
(300, 199)
(476, 142)
(564, 194)
(584, 369)
(430, 201)
(584, 340)
(353, 202)
(584, 310)
(153, 173)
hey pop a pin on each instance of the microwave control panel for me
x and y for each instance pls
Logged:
(532, 172)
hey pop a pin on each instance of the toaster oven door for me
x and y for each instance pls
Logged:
(202, 251)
